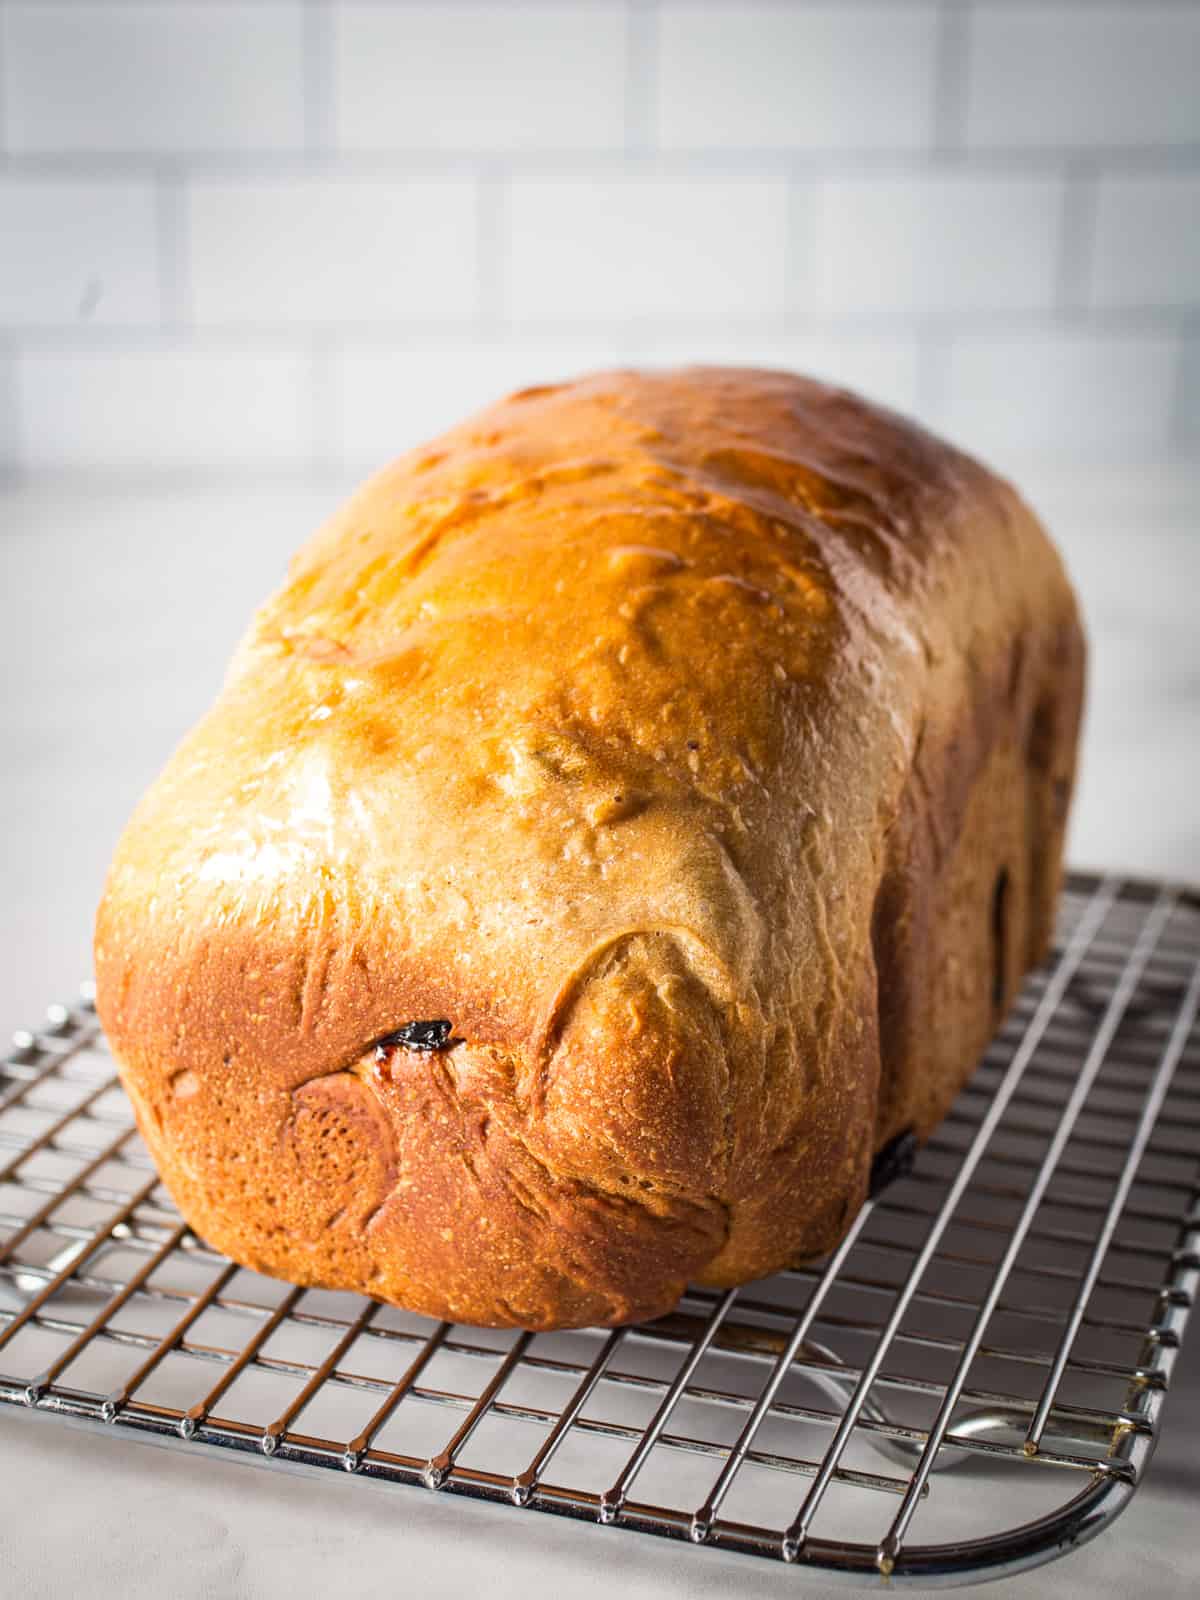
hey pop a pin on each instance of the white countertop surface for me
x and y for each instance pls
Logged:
(120, 607)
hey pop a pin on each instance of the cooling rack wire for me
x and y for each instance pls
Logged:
(1011, 1309)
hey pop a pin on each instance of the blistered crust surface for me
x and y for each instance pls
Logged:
(698, 745)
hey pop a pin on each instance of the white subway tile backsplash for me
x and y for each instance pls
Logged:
(1147, 241)
(613, 249)
(746, 76)
(990, 211)
(480, 77)
(1083, 75)
(132, 77)
(78, 253)
(1060, 393)
(154, 410)
(388, 400)
(934, 244)
(318, 249)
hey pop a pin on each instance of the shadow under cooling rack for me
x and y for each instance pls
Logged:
(1010, 1310)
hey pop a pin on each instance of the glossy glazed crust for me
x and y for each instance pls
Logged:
(699, 745)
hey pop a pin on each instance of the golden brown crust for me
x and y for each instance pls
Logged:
(698, 745)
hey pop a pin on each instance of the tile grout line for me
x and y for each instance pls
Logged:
(933, 365)
(4, 130)
(491, 255)
(326, 447)
(1077, 236)
(170, 224)
(641, 76)
(319, 78)
(1183, 421)
(12, 426)
(706, 161)
(1101, 323)
(802, 221)
(11, 431)
(951, 86)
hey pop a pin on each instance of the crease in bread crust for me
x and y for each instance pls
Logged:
(698, 745)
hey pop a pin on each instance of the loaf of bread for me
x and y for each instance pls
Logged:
(636, 809)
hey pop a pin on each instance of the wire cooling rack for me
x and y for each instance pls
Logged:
(1011, 1309)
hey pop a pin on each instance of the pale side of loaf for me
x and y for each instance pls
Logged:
(699, 746)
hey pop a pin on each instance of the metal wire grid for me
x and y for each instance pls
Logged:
(1015, 1303)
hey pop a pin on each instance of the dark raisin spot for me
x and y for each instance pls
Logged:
(693, 744)
(414, 1036)
(1000, 941)
(894, 1161)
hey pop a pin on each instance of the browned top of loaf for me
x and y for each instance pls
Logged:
(642, 657)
